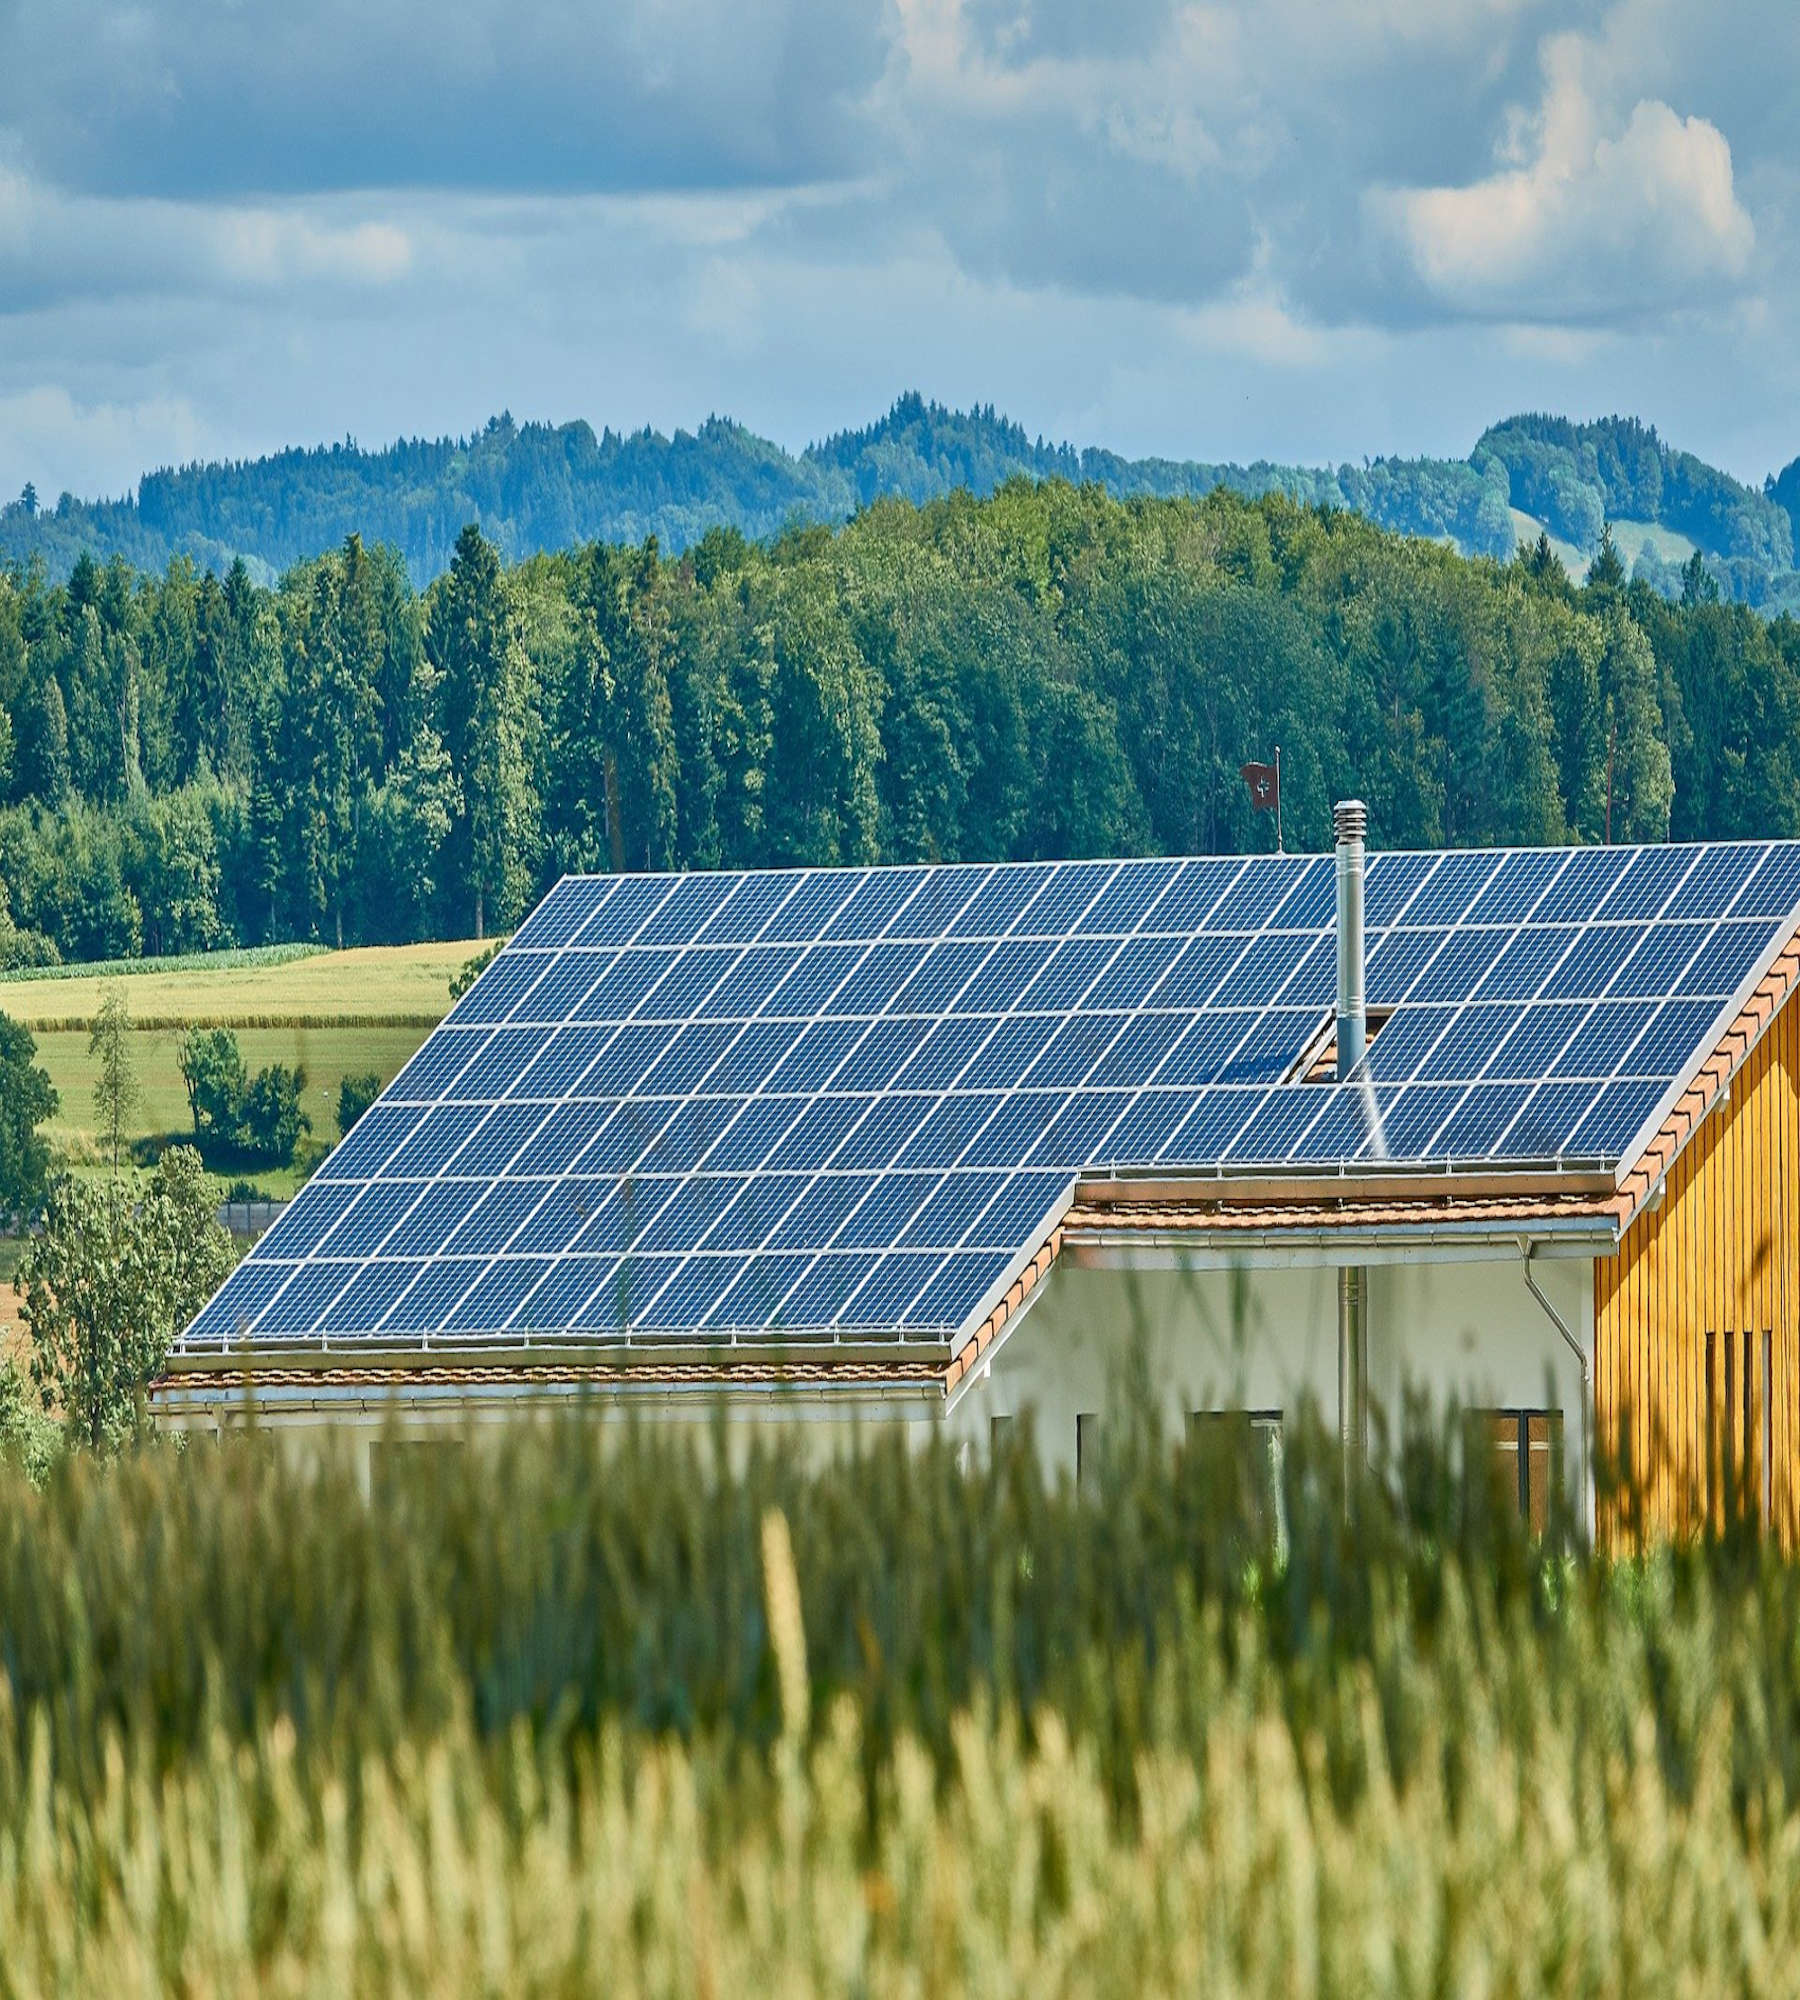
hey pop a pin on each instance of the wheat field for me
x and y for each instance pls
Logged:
(551, 1714)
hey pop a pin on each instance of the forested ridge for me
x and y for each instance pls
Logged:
(536, 488)
(189, 760)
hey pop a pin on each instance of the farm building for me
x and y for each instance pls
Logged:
(931, 1145)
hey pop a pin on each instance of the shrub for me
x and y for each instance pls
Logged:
(274, 1123)
(27, 1098)
(110, 1279)
(471, 969)
(29, 1439)
(260, 1116)
(355, 1095)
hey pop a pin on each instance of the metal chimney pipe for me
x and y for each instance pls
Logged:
(1351, 820)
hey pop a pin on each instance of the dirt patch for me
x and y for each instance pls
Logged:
(12, 1325)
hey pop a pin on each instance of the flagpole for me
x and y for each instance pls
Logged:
(1279, 849)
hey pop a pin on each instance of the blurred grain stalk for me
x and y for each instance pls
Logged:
(1520, 1854)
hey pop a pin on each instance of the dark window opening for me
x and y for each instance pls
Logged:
(1740, 1434)
(1240, 1454)
(1087, 1447)
(1524, 1450)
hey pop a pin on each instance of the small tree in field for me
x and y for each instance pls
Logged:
(355, 1095)
(274, 1123)
(115, 1085)
(213, 1071)
(109, 1282)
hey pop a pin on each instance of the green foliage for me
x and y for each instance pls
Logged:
(193, 961)
(213, 1072)
(1049, 671)
(475, 643)
(273, 1122)
(535, 488)
(258, 1116)
(471, 969)
(30, 1441)
(110, 1279)
(538, 1704)
(27, 1099)
(355, 1095)
(115, 1077)
(1574, 477)
(20, 951)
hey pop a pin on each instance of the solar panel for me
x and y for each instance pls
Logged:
(814, 1102)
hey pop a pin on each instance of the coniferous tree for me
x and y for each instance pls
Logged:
(475, 644)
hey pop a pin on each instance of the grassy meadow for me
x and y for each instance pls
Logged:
(548, 1715)
(336, 1014)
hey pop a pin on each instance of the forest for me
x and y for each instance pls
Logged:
(190, 760)
(535, 488)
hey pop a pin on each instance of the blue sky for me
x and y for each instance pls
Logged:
(1303, 229)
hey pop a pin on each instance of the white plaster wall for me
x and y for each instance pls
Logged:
(1250, 1338)
(1260, 1338)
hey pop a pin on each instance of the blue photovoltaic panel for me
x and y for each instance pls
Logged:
(824, 1102)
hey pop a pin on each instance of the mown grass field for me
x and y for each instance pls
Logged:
(394, 985)
(336, 1014)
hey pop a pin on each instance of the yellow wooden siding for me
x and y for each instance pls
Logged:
(1717, 1256)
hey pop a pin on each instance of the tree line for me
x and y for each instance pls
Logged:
(534, 487)
(189, 760)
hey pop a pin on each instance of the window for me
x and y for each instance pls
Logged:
(1000, 1433)
(1739, 1425)
(1525, 1450)
(1241, 1449)
(1087, 1447)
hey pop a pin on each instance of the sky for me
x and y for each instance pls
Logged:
(1307, 230)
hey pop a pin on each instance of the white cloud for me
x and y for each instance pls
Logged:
(1592, 218)
(95, 448)
(1203, 227)
(55, 245)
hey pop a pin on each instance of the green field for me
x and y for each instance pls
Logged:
(391, 986)
(335, 1014)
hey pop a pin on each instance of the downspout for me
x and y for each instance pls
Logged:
(1350, 819)
(1526, 1250)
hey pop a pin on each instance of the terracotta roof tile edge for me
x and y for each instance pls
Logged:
(1006, 1308)
(1711, 1082)
(911, 1374)
(1201, 1218)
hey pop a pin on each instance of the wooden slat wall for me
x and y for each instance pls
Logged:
(1718, 1255)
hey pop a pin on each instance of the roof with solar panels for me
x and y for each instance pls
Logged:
(855, 1105)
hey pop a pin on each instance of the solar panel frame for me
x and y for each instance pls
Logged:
(948, 1031)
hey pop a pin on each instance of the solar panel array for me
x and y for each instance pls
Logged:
(824, 1103)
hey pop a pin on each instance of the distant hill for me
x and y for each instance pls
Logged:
(543, 486)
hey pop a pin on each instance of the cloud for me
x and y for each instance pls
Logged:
(89, 443)
(1218, 227)
(213, 99)
(1591, 220)
(55, 246)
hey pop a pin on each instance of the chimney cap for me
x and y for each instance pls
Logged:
(1350, 820)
